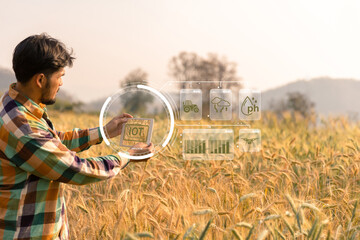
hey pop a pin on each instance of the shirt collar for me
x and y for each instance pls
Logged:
(37, 109)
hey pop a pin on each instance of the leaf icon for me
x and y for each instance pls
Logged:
(244, 107)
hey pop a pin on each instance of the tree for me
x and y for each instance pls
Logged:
(64, 105)
(189, 67)
(135, 102)
(298, 102)
(295, 102)
(137, 76)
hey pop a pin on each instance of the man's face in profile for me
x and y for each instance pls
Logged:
(53, 83)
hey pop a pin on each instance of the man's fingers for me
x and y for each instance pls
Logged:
(123, 120)
(150, 147)
(142, 149)
(143, 152)
(125, 115)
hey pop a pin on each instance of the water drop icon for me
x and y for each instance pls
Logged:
(245, 106)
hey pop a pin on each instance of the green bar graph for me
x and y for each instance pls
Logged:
(207, 146)
(219, 146)
(195, 146)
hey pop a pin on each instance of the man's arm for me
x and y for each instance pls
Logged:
(45, 156)
(79, 140)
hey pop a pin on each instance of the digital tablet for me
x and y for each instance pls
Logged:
(136, 130)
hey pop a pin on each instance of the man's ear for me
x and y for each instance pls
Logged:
(40, 80)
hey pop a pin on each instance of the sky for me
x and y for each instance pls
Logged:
(273, 42)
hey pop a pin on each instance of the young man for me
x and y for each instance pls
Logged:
(35, 159)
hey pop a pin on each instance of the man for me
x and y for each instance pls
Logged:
(35, 159)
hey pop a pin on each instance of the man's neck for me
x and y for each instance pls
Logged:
(26, 91)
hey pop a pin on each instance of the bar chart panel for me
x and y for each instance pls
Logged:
(208, 144)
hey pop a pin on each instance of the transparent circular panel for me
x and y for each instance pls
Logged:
(141, 102)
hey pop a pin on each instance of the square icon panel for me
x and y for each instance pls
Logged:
(190, 104)
(250, 140)
(136, 130)
(220, 104)
(208, 144)
(249, 104)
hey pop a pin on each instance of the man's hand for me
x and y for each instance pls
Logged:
(140, 149)
(114, 127)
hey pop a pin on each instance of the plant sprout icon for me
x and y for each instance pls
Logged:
(220, 103)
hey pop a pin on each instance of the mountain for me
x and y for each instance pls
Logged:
(330, 95)
(94, 106)
(7, 77)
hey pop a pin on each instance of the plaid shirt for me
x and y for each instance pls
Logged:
(35, 160)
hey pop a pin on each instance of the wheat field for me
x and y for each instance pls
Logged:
(304, 184)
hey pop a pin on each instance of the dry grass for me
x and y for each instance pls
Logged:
(304, 185)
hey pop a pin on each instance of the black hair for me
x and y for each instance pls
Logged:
(40, 54)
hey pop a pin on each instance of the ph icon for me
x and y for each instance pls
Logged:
(250, 104)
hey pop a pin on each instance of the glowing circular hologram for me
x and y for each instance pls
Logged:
(131, 89)
(101, 121)
(135, 157)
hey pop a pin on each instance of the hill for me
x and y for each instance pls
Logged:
(331, 96)
(7, 77)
